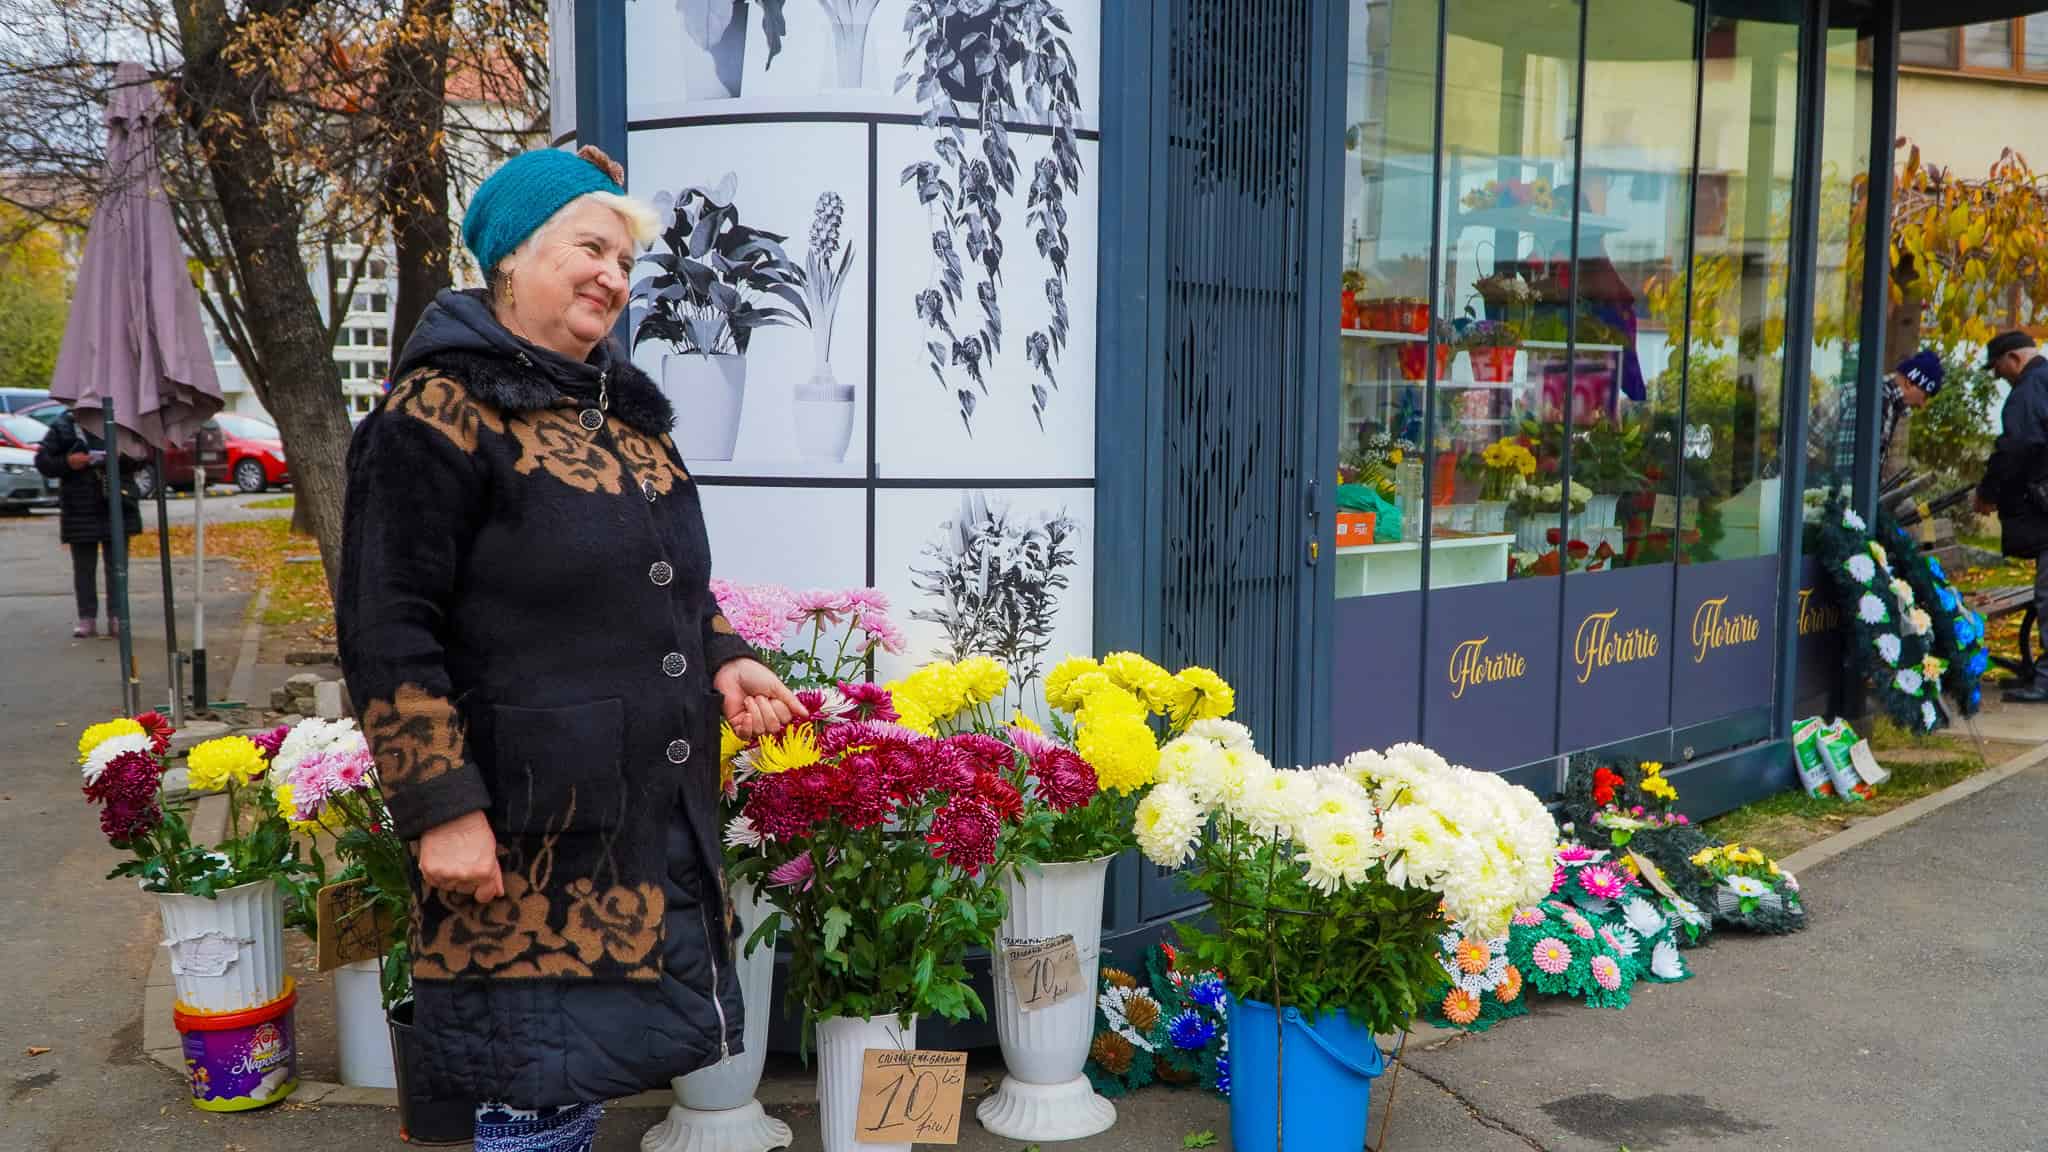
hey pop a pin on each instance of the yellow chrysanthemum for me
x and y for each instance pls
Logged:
(982, 679)
(1651, 767)
(227, 760)
(1141, 677)
(1102, 698)
(911, 712)
(1120, 748)
(939, 688)
(1059, 683)
(1019, 720)
(99, 734)
(794, 747)
(1215, 699)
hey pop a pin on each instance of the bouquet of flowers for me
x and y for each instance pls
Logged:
(1958, 659)
(1373, 462)
(123, 764)
(880, 845)
(1752, 891)
(810, 639)
(1893, 632)
(1633, 917)
(1507, 464)
(1294, 862)
(1172, 1027)
(1532, 499)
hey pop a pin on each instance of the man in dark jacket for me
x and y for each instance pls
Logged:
(76, 459)
(2016, 477)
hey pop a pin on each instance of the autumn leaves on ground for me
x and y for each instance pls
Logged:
(300, 614)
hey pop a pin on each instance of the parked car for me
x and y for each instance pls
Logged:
(21, 486)
(18, 431)
(45, 411)
(16, 399)
(255, 458)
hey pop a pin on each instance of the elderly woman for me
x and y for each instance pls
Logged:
(540, 668)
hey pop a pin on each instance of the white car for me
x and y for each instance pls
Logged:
(21, 486)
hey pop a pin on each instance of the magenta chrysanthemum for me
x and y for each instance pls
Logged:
(1575, 854)
(1606, 972)
(269, 742)
(797, 873)
(964, 834)
(870, 701)
(1000, 795)
(787, 806)
(1558, 876)
(1065, 780)
(1602, 882)
(1552, 955)
(863, 798)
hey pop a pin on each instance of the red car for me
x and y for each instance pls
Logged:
(255, 458)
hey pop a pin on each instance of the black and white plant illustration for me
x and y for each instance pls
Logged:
(848, 65)
(1010, 61)
(715, 48)
(993, 580)
(717, 281)
(824, 406)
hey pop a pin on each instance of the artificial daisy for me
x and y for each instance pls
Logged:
(1552, 955)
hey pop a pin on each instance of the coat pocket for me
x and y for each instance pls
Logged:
(559, 771)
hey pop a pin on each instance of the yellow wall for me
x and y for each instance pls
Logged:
(1964, 122)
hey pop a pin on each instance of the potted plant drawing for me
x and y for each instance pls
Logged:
(1009, 59)
(715, 43)
(824, 406)
(718, 281)
(997, 578)
(848, 66)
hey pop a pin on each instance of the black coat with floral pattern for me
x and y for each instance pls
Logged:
(527, 631)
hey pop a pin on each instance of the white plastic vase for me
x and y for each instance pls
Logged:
(708, 393)
(360, 1026)
(715, 1109)
(1601, 509)
(227, 953)
(841, 1042)
(1045, 1095)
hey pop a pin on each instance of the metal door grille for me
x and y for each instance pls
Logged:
(1238, 158)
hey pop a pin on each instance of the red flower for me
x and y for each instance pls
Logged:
(158, 730)
(1550, 536)
(1065, 781)
(1605, 781)
(1000, 795)
(1578, 549)
(873, 700)
(964, 834)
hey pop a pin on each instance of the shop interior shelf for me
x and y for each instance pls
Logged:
(1376, 336)
(1454, 561)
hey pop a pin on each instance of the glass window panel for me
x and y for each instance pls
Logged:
(1389, 160)
(1731, 416)
(1510, 119)
(2036, 37)
(1838, 275)
(1988, 45)
(1933, 48)
(1636, 177)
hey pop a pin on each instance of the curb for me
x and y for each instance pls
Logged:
(242, 683)
(1865, 831)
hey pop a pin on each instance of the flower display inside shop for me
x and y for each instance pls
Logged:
(1171, 1026)
(122, 765)
(1506, 463)
(1296, 863)
(1893, 635)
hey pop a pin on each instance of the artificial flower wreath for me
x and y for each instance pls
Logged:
(1171, 1027)
(1958, 659)
(1481, 986)
(1751, 891)
(1630, 807)
(1893, 633)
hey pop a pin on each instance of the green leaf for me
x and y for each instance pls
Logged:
(1202, 1139)
(837, 921)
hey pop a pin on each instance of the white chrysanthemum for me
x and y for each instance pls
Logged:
(1213, 774)
(1854, 521)
(1273, 803)
(1338, 853)
(1746, 887)
(1689, 912)
(1665, 962)
(1862, 568)
(1642, 917)
(1888, 647)
(1169, 822)
(1908, 681)
(741, 833)
(1113, 1003)
(1927, 715)
(107, 750)
(1623, 941)
(1870, 609)
(1227, 733)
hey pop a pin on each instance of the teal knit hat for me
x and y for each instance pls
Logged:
(520, 196)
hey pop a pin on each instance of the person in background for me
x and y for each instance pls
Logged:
(76, 459)
(2016, 478)
(1912, 384)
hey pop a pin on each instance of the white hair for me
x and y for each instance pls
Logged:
(642, 226)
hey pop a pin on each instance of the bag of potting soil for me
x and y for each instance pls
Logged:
(1835, 742)
(1806, 757)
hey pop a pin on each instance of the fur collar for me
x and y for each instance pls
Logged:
(508, 386)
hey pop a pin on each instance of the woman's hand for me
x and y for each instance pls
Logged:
(461, 856)
(756, 701)
(79, 461)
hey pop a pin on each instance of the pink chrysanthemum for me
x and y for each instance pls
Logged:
(1606, 972)
(818, 605)
(1575, 854)
(867, 600)
(1602, 882)
(1529, 917)
(1558, 876)
(1579, 925)
(870, 701)
(797, 873)
(880, 632)
(1552, 955)
(964, 834)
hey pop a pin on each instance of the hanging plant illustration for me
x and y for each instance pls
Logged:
(718, 29)
(997, 578)
(1011, 61)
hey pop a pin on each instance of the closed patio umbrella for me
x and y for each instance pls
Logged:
(133, 344)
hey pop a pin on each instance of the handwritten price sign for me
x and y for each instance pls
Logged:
(910, 1097)
(1044, 972)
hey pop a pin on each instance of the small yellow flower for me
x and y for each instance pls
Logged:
(1059, 683)
(226, 760)
(794, 747)
(99, 734)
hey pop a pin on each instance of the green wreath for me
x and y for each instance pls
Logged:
(1958, 633)
(1892, 632)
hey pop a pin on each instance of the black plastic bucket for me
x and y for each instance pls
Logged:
(422, 1119)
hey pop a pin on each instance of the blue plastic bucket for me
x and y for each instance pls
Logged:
(1324, 1089)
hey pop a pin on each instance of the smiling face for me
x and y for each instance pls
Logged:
(565, 288)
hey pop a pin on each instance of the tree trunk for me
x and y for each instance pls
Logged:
(284, 321)
(415, 192)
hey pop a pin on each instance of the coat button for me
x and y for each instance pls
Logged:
(678, 751)
(661, 573)
(647, 489)
(591, 419)
(675, 664)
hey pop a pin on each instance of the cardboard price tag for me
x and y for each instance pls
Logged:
(1648, 871)
(910, 1097)
(351, 927)
(1044, 972)
(1667, 512)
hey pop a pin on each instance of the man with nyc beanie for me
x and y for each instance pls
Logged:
(1912, 384)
